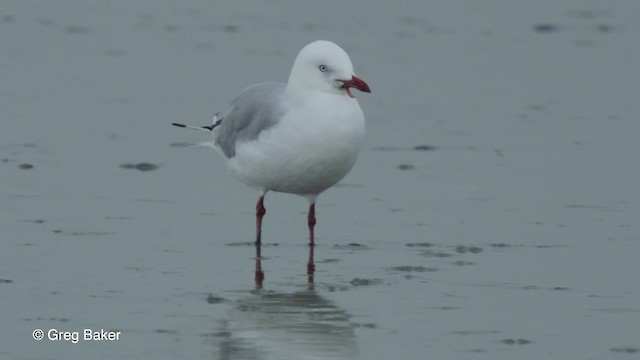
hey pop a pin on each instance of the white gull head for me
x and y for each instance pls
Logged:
(322, 65)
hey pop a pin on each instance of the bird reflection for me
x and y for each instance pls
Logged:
(259, 273)
(311, 268)
(271, 324)
(259, 277)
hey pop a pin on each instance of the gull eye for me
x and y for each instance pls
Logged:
(323, 68)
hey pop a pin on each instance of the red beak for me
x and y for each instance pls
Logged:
(357, 83)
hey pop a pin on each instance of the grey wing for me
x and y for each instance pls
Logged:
(256, 109)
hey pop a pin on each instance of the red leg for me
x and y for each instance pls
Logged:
(260, 211)
(311, 221)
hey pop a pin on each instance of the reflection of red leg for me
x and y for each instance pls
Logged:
(259, 274)
(311, 267)
(311, 220)
(260, 211)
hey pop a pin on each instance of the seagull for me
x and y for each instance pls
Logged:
(299, 138)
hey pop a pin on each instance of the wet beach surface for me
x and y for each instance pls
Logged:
(493, 212)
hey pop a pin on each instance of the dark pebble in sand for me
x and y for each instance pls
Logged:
(140, 166)
(386, 148)
(212, 299)
(424, 148)
(463, 263)
(628, 350)
(364, 282)
(366, 325)
(231, 29)
(545, 28)
(5, 281)
(76, 29)
(350, 247)
(501, 245)
(419, 244)
(37, 221)
(461, 249)
(407, 268)
(250, 243)
(406, 167)
(25, 166)
(429, 253)
(515, 341)
(604, 28)
(355, 245)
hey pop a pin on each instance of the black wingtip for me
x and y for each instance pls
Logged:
(179, 125)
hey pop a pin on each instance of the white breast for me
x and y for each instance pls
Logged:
(312, 148)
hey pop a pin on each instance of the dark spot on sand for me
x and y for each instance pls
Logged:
(463, 263)
(350, 246)
(328, 261)
(40, 318)
(406, 167)
(77, 29)
(429, 253)
(501, 245)
(249, 243)
(332, 288)
(407, 268)
(545, 28)
(231, 29)
(461, 249)
(515, 341)
(366, 325)
(627, 350)
(5, 281)
(474, 332)
(604, 28)
(140, 166)
(419, 245)
(37, 221)
(364, 282)
(386, 148)
(212, 299)
(25, 166)
(424, 148)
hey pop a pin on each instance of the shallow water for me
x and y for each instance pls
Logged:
(493, 212)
